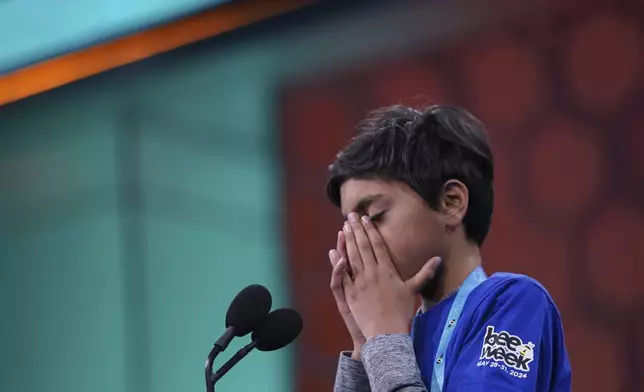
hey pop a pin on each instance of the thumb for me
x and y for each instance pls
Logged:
(426, 273)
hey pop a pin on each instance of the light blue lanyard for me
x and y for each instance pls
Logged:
(475, 278)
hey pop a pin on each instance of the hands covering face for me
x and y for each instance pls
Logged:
(366, 282)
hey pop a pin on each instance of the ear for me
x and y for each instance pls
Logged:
(454, 202)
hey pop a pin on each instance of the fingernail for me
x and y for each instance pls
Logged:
(438, 262)
(353, 217)
(347, 227)
(366, 219)
(333, 254)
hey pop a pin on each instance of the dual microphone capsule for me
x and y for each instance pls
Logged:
(249, 312)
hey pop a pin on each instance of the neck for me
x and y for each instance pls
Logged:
(455, 269)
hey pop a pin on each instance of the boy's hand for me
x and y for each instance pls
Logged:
(338, 259)
(380, 302)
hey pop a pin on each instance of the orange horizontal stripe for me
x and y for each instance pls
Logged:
(91, 61)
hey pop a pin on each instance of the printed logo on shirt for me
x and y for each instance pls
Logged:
(508, 349)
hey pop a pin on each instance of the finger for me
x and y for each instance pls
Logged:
(334, 257)
(338, 277)
(416, 282)
(343, 276)
(347, 282)
(341, 246)
(336, 280)
(378, 246)
(362, 241)
(353, 253)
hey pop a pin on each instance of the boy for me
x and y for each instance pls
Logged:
(416, 191)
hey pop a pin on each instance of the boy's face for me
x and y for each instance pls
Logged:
(413, 231)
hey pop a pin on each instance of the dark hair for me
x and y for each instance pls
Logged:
(423, 150)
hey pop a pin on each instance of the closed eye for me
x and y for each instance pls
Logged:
(377, 217)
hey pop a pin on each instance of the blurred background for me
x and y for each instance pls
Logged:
(155, 159)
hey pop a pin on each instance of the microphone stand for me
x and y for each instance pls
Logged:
(239, 355)
(220, 345)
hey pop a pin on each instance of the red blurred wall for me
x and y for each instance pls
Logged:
(563, 99)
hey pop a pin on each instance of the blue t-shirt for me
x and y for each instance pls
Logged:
(509, 337)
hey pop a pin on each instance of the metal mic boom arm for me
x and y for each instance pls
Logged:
(239, 355)
(221, 344)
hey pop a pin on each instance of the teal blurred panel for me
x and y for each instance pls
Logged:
(197, 271)
(66, 291)
(34, 30)
(208, 225)
(51, 152)
(218, 165)
(60, 284)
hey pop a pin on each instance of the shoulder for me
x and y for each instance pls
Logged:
(506, 283)
(509, 289)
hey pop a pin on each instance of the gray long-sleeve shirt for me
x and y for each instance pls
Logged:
(388, 365)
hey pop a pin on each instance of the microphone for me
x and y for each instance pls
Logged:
(247, 310)
(279, 329)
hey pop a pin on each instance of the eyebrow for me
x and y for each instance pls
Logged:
(363, 204)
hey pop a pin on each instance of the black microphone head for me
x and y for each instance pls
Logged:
(248, 309)
(279, 329)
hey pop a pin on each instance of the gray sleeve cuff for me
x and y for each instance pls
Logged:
(351, 376)
(390, 363)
